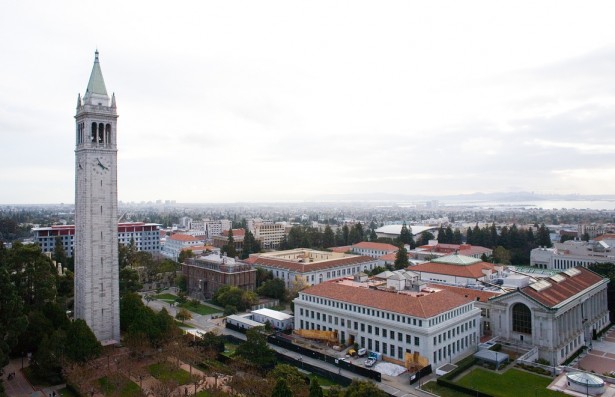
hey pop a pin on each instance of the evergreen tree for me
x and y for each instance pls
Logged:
(543, 239)
(315, 389)
(372, 235)
(328, 238)
(229, 248)
(339, 238)
(457, 238)
(401, 258)
(82, 344)
(250, 245)
(405, 237)
(281, 389)
(449, 235)
(441, 235)
(345, 235)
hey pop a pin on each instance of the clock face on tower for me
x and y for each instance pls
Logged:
(101, 165)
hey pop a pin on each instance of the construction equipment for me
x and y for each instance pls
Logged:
(328, 336)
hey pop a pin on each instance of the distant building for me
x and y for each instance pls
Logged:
(177, 242)
(435, 250)
(375, 250)
(215, 228)
(572, 253)
(270, 235)
(146, 236)
(311, 266)
(222, 240)
(206, 274)
(393, 231)
(457, 270)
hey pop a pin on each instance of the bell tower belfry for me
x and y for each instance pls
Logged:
(96, 244)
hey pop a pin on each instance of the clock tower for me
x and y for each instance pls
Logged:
(96, 244)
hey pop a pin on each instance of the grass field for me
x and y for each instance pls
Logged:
(200, 309)
(511, 383)
(67, 393)
(165, 297)
(129, 388)
(166, 371)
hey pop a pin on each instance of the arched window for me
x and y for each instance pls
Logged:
(94, 129)
(522, 318)
(108, 134)
(101, 132)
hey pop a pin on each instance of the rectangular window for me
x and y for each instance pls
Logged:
(377, 331)
(384, 348)
(384, 332)
(369, 329)
(416, 341)
(378, 346)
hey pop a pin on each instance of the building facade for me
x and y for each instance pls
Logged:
(146, 236)
(177, 242)
(439, 326)
(375, 250)
(206, 274)
(559, 314)
(571, 254)
(311, 266)
(96, 241)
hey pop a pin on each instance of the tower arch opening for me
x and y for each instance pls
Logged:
(521, 319)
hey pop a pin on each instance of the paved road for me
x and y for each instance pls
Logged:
(397, 386)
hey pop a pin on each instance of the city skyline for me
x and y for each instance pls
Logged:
(269, 101)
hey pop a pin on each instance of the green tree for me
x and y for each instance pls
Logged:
(424, 238)
(82, 344)
(129, 281)
(33, 274)
(315, 389)
(256, 350)
(295, 379)
(275, 289)
(281, 389)
(235, 296)
(501, 255)
(544, 238)
(47, 360)
(405, 237)
(263, 275)
(229, 247)
(345, 235)
(183, 315)
(13, 321)
(59, 255)
(372, 235)
(250, 245)
(328, 238)
(363, 389)
(457, 237)
(185, 254)
(401, 259)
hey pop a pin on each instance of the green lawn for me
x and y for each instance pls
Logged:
(229, 348)
(442, 391)
(165, 297)
(129, 388)
(511, 383)
(200, 308)
(166, 371)
(203, 393)
(323, 381)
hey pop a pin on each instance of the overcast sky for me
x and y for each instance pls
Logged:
(226, 101)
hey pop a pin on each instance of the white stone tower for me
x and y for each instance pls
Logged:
(96, 247)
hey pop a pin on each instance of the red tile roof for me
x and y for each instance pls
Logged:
(388, 257)
(342, 249)
(569, 287)
(183, 237)
(606, 236)
(236, 232)
(310, 267)
(375, 246)
(462, 249)
(425, 306)
(474, 270)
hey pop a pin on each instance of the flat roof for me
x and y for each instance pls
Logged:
(273, 314)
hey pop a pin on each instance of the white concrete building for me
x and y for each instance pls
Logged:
(215, 228)
(440, 326)
(375, 250)
(559, 314)
(178, 242)
(571, 254)
(278, 320)
(457, 270)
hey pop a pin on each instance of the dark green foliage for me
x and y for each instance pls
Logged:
(401, 259)
(32, 273)
(281, 389)
(405, 237)
(263, 275)
(328, 238)
(363, 389)
(12, 319)
(47, 360)
(256, 350)
(315, 389)
(229, 247)
(296, 381)
(140, 322)
(129, 281)
(82, 344)
(235, 296)
(211, 341)
(377, 270)
(185, 254)
(275, 289)
(250, 245)
(424, 238)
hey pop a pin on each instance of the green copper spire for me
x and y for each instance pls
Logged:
(96, 84)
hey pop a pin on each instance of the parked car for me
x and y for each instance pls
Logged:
(370, 362)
